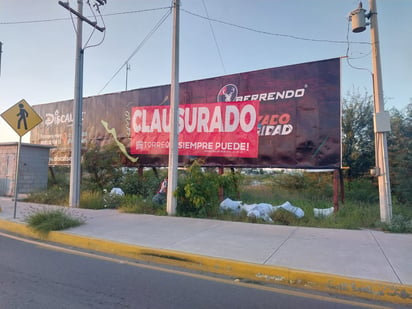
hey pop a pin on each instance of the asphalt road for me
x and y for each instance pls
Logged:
(37, 275)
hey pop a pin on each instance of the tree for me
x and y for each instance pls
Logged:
(400, 153)
(102, 165)
(358, 137)
(359, 146)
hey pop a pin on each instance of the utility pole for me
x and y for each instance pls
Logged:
(174, 113)
(381, 117)
(381, 121)
(75, 168)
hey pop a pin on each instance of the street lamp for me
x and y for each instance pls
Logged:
(381, 117)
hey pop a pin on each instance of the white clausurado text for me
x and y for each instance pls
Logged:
(196, 118)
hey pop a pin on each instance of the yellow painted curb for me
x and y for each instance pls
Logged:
(369, 289)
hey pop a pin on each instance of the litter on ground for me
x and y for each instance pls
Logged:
(319, 212)
(261, 210)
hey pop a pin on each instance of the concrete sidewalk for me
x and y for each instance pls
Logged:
(365, 263)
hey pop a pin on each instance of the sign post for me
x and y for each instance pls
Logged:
(16, 177)
(22, 118)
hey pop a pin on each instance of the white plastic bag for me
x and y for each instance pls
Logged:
(298, 212)
(117, 191)
(323, 212)
(228, 204)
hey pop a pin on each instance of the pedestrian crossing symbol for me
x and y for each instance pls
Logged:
(21, 117)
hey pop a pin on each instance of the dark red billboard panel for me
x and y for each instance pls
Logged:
(285, 117)
(211, 129)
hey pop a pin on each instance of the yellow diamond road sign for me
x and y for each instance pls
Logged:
(21, 117)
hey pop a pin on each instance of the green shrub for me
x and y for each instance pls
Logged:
(197, 192)
(400, 224)
(59, 175)
(55, 195)
(101, 167)
(45, 221)
(230, 183)
(144, 185)
(362, 190)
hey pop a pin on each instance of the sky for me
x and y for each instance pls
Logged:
(217, 37)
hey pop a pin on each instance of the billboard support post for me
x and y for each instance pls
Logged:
(336, 180)
(174, 113)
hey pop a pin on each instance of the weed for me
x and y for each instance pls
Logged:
(137, 204)
(55, 195)
(284, 217)
(198, 196)
(111, 200)
(399, 224)
(45, 221)
(91, 200)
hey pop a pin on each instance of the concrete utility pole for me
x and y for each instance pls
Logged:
(75, 168)
(174, 113)
(381, 117)
(76, 155)
(382, 123)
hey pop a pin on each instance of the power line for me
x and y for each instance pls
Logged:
(97, 8)
(214, 38)
(65, 18)
(32, 21)
(155, 28)
(270, 33)
(138, 11)
(196, 15)
(193, 14)
(347, 53)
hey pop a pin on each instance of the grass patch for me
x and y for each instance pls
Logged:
(91, 200)
(360, 210)
(306, 191)
(45, 221)
(139, 205)
(399, 224)
(55, 195)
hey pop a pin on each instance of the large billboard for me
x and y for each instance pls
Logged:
(286, 117)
